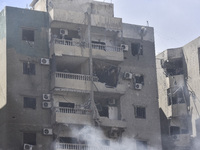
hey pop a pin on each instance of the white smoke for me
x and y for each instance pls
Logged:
(94, 137)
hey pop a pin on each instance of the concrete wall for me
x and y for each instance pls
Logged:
(21, 85)
(192, 60)
(144, 129)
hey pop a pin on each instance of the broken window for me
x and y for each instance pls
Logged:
(29, 138)
(29, 102)
(141, 145)
(139, 79)
(140, 112)
(136, 49)
(107, 74)
(175, 97)
(174, 130)
(173, 67)
(29, 68)
(70, 105)
(28, 35)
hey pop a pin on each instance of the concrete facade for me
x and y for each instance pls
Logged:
(76, 66)
(178, 82)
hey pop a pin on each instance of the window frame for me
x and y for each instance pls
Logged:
(26, 37)
(140, 114)
(27, 138)
(29, 68)
(32, 101)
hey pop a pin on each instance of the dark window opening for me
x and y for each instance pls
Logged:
(68, 140)
(104, 111)
(140, 112)
(176, 97)
(70, 105)
(28, 35)
(29, 138)
(28, 68)
(139, 79)
(107, 74)
(136, 49)
(174, 130)
(98, 45)
(141, 145)
(174, 67)
(29, 102)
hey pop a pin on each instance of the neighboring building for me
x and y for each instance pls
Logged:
(178, 90)
(71, 64)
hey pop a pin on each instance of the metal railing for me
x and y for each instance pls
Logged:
(80, 147)
(75, 76)
(68, 110)
(86, 45)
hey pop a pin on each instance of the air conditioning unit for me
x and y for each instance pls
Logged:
(28, 147)
(127, 75)
(46, 105)
(112, 101)
(124, 47)
(46, 96)
(47, 131)
(138, 86)
(63, 32)
(44, 61)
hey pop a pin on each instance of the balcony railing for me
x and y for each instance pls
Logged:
(75, 76)
(73, 110)
(80, 147)
(86, 45)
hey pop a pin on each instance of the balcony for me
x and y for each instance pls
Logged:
(181, 140)
(178, 110)
(104, 121)
(67, 16)
(63, 146)
(72, 116)
(61, 47)
(81, 83)
(175, 81)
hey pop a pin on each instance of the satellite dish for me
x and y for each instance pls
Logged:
(143, 31)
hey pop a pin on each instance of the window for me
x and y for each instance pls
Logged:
(174, 130)
(28, 35)
(70, 105)
(140, 112)
(29, 102)
(176, 97)
(141, 145)
(68, 140)
(136, 49)
(29, 68)
(29, 138)
(139, 79)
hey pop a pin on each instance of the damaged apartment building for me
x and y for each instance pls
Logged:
(70, 64)
(178, 90)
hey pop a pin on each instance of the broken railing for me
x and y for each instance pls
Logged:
(68, 110)
(75, 76)
(86, 45)
(80, 147)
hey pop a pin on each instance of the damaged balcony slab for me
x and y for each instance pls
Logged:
(62, 47)
(72, 116)
(178, 110)
(104, 121)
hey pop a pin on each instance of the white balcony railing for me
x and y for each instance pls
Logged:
(75, 76)
(86, 45)
(73, 110)
(80, 147)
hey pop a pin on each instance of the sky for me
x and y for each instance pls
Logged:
(175, 22)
